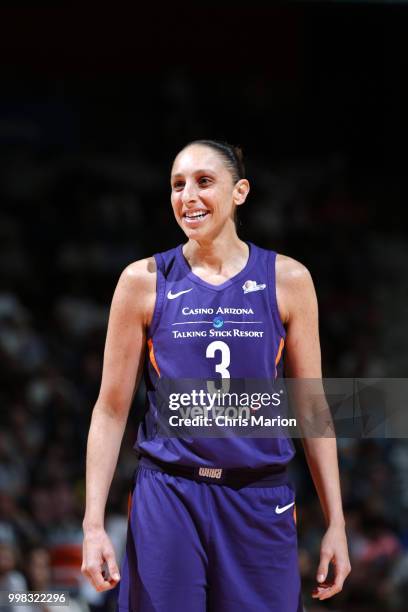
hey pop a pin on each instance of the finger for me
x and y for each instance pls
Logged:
(97, 579)
(113, 570)
(321, 588)
(327, 593)
(100, 584)
(341, 573)
(323, 566)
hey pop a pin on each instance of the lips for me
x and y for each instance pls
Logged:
(195, 214)
(195, 217)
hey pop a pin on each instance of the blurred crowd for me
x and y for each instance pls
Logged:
(70, 222)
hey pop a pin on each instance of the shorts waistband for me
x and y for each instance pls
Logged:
(270, 476)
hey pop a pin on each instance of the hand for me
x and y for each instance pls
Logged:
(333, 550)
(98, 551)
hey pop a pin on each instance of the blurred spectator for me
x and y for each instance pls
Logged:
(10, 578)
(39, 578)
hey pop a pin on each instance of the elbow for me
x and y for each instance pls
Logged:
(116, 408)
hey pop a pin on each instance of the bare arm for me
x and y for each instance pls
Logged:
(299, 311)
(132, 305)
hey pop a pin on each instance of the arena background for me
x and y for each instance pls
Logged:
(95, 103)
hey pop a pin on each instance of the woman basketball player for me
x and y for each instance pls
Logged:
(211, 523)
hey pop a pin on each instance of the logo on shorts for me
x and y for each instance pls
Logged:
(279, 509)
(251, 285)
(210, 472)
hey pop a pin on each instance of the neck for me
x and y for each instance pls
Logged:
(220, 254)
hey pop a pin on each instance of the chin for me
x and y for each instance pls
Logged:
(193, 232)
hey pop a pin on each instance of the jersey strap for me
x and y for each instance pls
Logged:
(160, 291)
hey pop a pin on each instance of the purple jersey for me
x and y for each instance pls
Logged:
(203, 331)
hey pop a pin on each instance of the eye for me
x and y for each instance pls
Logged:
(177, 185)
(204, 180)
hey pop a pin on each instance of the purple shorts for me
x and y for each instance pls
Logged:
(198, 547)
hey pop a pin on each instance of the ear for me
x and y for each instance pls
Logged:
(241, 190)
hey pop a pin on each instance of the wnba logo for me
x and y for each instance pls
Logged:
(210, 472)
(251, 285)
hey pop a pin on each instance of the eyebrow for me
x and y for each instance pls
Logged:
(201, 171)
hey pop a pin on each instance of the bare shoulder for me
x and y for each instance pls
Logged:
(136, 288)
(141, 273)
(294, 285)
(290, 272)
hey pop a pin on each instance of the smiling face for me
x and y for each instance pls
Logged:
(203, 192)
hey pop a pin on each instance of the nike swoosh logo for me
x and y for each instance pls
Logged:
(172, 296)
(279, 510)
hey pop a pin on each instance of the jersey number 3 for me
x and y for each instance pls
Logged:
(222, 366)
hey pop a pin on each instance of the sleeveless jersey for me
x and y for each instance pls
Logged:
(241, 316)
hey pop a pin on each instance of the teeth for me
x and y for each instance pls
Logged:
(196, 214)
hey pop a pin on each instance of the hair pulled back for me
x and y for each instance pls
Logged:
(232, 155)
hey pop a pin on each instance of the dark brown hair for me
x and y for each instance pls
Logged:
(232, 155)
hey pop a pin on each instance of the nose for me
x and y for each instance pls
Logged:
(189, 194)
